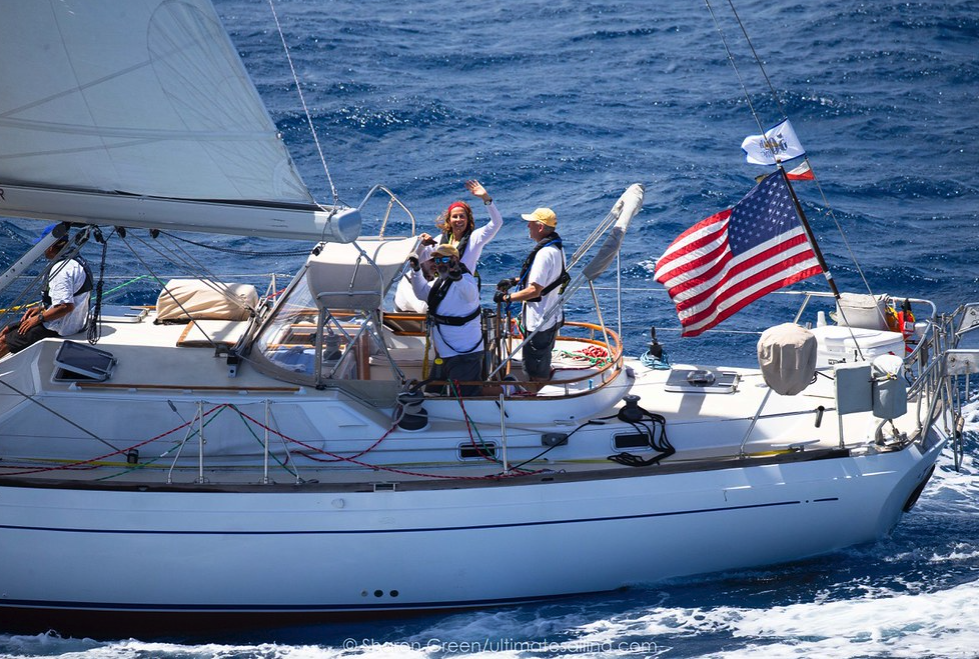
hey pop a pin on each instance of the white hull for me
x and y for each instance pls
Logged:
(341, 551)
(293, 455)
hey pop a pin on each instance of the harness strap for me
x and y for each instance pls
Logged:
(472, 348)
(461, 245)
(455, 321)
(87, 286)
(562, 279)
(435, 298)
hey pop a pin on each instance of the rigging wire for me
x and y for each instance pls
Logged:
(180, 256)
(302, 98)
(95, 317)
(781, 110)
(754, 53)
(242, 252)
(177, 302)
(212, 280)
(734, 65)
(34, 399)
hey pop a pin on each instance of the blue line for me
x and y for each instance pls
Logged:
(418, 530)
(117, 607)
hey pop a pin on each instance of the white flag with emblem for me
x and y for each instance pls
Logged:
(776, 145)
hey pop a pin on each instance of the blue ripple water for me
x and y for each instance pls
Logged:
(564, 104)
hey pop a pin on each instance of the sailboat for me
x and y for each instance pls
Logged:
(231, 451)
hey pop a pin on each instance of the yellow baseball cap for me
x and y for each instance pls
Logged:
(446, 250)
(543, 215)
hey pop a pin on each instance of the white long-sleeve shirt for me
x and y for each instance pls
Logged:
(478, 239)
(460, 300)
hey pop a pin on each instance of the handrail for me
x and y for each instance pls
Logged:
(614, 364)
(393, 199)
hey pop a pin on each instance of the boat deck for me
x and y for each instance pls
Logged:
(167, 380)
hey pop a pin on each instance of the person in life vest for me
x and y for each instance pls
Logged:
(538, 287)
(64, 305)
(458, 229)
(453, 316)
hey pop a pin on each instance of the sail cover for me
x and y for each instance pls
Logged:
(147, 97)
(625, 208)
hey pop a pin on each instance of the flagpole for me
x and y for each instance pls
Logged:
(809, 235)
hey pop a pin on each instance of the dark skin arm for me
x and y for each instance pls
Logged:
(35, 316)
(529, 293)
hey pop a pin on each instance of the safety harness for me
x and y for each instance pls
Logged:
(435, 297)
(562, 279)
(86, 286)
(461, 246)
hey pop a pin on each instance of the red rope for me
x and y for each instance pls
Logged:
(75, 465)
(21, 471)
(340, 458)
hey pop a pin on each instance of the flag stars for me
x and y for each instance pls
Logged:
(763, 215)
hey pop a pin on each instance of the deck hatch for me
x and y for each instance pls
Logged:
(624, 442)
(702, 381)
(78, 362)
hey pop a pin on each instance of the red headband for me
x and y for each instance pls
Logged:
(458, 204)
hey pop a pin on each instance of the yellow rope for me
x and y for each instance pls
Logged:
(20, 306)
(425, 359)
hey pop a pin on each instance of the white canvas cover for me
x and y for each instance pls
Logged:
(787, 358)
(356, 275)
(861, 310)
(625, 208)
(205, 300)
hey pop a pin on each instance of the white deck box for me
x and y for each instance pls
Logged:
(839, 344)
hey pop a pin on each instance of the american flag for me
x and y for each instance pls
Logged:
(724, 263)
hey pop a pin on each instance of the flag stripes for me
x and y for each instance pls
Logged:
(709, 281)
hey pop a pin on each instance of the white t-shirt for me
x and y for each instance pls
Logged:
(545, 270)
(66, 278)
(461, 299)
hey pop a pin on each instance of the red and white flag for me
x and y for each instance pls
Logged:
(727, 261)
(801, 173)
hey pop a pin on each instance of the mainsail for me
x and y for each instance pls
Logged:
(144, 100)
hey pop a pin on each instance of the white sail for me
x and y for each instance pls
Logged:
(145, 98)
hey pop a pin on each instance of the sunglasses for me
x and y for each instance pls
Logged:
(443, 259)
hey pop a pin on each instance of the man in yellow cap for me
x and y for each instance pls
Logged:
(453, 316)
(538, 287)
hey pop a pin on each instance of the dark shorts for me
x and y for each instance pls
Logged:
(17, 342)
(462, 368)
(537, 354)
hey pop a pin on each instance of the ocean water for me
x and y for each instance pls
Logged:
(564, 104)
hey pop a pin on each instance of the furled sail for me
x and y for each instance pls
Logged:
(142, 98)
(625, 208)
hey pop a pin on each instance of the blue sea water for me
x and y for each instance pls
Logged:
(564, 104)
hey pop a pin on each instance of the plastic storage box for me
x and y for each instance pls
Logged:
(839, 344)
